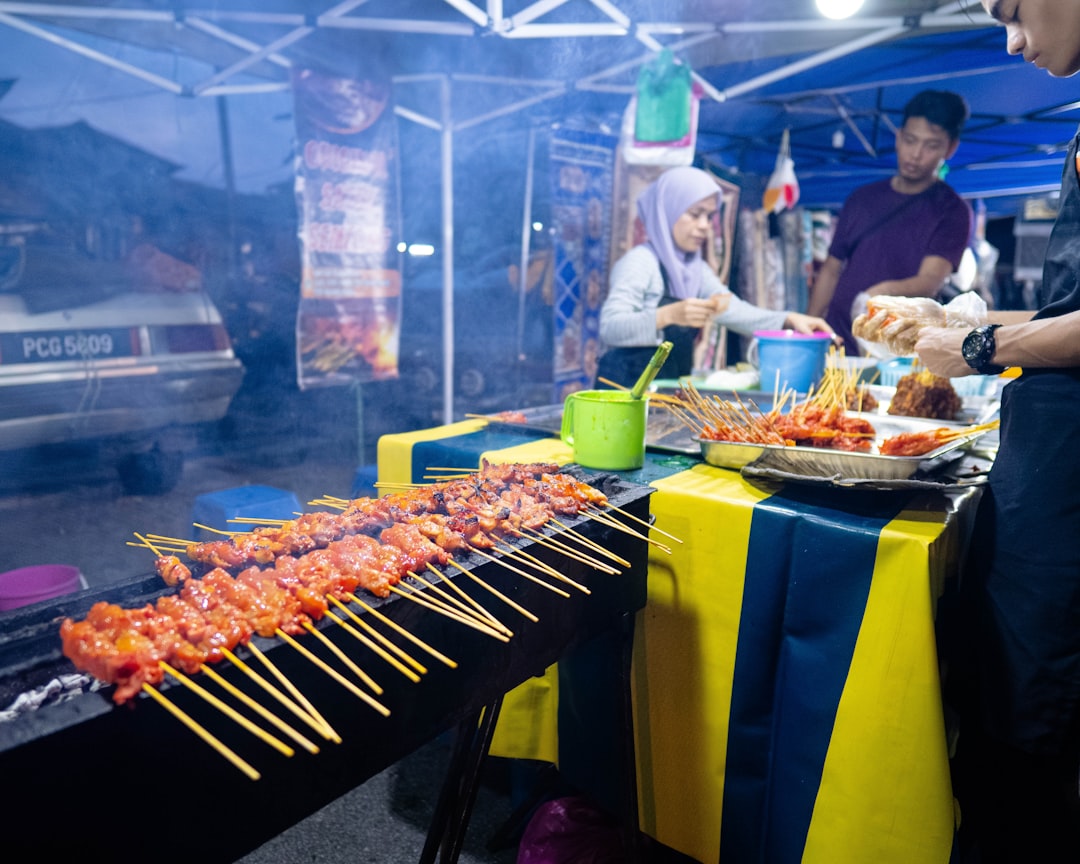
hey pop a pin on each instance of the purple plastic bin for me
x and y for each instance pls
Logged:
(33, 584)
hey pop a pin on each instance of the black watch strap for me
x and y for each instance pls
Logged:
(979, 348)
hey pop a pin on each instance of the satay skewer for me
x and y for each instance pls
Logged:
(333, 673)
(415, 596)
(471, 608)
(563, 549)
(228, 710)
(466, 598)
(409, 671)
(604, 519)
(412, 637)
(258, 708)
(294, 691)
(567, 531)
(199, 730)
(343, 657)
(516, 606)
(542, 567)
(641, 521)
(502, 563)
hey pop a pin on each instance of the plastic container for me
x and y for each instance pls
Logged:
(37, 583)
(215, 509)
(791, 360)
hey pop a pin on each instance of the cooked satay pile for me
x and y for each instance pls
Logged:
(278, 579)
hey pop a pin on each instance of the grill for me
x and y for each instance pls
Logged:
(90, 776)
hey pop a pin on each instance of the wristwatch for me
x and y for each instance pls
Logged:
(978, 350)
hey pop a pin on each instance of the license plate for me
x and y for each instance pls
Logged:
(56, 346)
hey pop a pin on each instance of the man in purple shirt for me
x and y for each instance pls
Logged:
(901, 236)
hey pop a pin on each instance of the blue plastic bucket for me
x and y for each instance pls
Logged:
(791, 360)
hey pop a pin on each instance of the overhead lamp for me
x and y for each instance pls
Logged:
(837, 9)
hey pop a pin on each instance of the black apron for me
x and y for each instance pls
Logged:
(1023, 592)
(625, 365)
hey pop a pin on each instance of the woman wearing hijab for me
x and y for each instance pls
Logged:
(664, 290)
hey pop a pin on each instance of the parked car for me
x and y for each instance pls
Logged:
(89, 355)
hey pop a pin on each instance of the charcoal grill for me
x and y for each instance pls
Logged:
(88, 776)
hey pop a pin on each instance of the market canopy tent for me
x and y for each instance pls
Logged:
(764, 66)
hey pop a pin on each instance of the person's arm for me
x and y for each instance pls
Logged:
(824, 287)
(1048, 343)
(933, 271)
(628, 316)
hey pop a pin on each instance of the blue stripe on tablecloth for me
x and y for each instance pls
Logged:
(792, 660)
(463, 451)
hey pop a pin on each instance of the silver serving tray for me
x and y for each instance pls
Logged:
(838, 464)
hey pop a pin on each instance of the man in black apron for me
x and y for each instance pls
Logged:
(1018, 668)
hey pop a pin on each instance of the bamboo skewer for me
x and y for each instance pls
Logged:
(199, 730)
(562, 548)
(546, 569)
(640, 521)
(495, 591)
(453, 587)
(259, 709)
(626, 529)
(333, 673)
(343, 657)
(567, 531)
(511, 567)
(416, 640)
(468, 621)
(228, 710)
(331, 734)
(369, 643)
(471, 609)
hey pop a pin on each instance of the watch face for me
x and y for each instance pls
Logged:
(973, 346)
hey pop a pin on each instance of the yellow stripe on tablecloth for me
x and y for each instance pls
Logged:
(394, 458)
(537, 450)
(885, 792)
(528, 725)
(682, 708)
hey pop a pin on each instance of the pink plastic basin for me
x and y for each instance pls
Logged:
(33, 584)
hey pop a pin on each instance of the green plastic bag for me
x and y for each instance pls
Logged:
(663, 100)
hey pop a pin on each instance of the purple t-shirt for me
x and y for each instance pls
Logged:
(938, 223)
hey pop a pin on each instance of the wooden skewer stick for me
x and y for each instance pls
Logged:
(343, 657)
(416, 640)
(567, 531)
(323, 730)
(468, 621)
(369, 643)
(215, 530)
(228, 710)
(495, 621)
(148, 544)
(305, 703)
(610, 521)
(562, 548)
(640, 521)
(544, 568)
(253, 520)
(501, 562)
(470, 607)
(333, 673)
(449, 605)
(187, 720)
(259, 708)
(494, 591)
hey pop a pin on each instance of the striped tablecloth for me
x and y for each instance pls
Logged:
(787, 697)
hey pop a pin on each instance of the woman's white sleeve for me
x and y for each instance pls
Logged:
(628, 316)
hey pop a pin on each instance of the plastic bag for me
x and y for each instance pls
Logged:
(897, 321)
(571, 831)
(663, 100)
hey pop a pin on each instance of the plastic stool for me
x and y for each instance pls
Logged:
(215, 509)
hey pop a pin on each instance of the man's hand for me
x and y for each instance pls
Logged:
(939, 350)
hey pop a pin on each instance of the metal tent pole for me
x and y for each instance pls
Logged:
(447, 148)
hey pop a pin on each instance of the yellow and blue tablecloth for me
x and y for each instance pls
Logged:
(786, 689)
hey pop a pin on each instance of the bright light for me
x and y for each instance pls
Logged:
(421, 249)
(401, 247)
(538, 226)
(837, 9)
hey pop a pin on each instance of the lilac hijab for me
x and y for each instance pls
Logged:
(660, 205)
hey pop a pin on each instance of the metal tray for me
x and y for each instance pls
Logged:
(822, 462)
